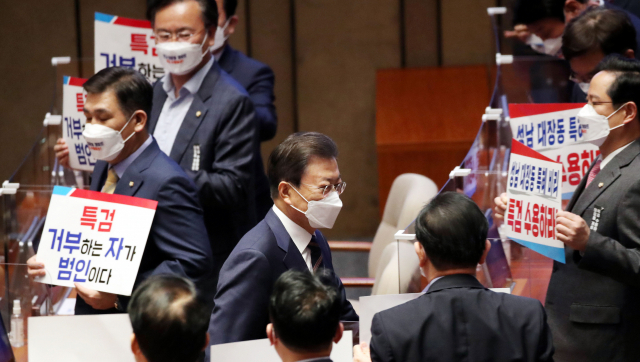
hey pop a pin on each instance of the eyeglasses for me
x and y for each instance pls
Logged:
(339, 187)
(574, 78)
(182, 36)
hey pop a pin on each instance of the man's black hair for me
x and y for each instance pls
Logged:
(626, 87)
(305, 312)
(529, 11)
(131, 88)
(609, 30)
(289, 160)
(169, 321)
(208, 7)
(230, 7)
(452, 230)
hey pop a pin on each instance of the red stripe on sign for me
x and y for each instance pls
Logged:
(529, 109)
(133, 22)
(118, 199)
(518, 148)
(77, 81)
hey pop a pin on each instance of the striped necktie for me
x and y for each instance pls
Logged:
(316, 254)
(110, 185)
(594, 172)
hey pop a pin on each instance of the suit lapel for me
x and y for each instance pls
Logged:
(132, 178)
(99, 175)
(292, 258)
(606, 178)
(159, 97)
(324, 249)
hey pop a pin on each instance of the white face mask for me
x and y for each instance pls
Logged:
(584, 87)
(105, 143)
(322, 213)
(220, 38)
(550, 46)
(180, 58)
(595, 127)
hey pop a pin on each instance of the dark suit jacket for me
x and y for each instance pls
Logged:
(593, 300)
(177, 242)
(247, 278)
(459, 320)
(258, 79)
(221, 124)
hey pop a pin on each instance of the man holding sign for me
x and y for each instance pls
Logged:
(592, 300)
(131, 164)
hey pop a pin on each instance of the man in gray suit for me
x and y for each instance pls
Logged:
(593, 300)
(305, 317)
(204, 120)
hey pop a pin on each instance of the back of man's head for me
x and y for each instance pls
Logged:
(609, 31)
(130, 87)
(305, 312)
(626, 87)
(453, 231)
(169, 322)
(529, 11)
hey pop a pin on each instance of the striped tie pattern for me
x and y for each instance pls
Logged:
(594, 172)
(316, 254)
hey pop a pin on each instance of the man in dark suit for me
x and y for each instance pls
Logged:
(204, 120)
(118, 100)
(457, 319)
(258, 79)
(305, 186)
(593, 299)
(305, 317)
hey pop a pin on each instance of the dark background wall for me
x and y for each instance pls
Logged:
(325, 54)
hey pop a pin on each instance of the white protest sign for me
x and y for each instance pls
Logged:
(534, 190)
(124, 42)
(73, 99)
(554, 130)
(94, 238)
(262, 350)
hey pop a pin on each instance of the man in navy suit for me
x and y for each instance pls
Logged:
(305, 186)
(457, 319)
(130, 163)
(258, 79)
(204, 120)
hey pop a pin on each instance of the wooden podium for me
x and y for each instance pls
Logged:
(427, 119)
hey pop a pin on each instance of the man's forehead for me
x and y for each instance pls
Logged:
(106, 100)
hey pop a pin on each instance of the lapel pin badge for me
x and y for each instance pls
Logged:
(600, 184)
(130, 183)
(198, 114)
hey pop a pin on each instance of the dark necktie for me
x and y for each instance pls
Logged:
(594, 172)
(316, 254)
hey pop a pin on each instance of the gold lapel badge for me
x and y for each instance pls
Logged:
(601, 184)
(130, 183)
(198, 114)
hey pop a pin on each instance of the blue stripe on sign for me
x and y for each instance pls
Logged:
(62, 190)
(104, 17)
(567, 195)
(65, 80)
(556, 254)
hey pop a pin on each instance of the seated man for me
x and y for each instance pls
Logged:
(305, 185)
(305, 318)
(457, 319)
(130, 163)
(169, 321)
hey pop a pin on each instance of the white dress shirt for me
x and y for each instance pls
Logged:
(426, 289)
(300, 236)
(175, 109)
(612, 155)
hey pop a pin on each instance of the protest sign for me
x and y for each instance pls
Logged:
(554, 130)
(73, 98)
(94, 238)
(125, 42)
(534, 190)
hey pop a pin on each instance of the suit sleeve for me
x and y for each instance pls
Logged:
(379, 345)
(610, 257)
(180, 236)
(261, 94)
(545, 344)
(241, 303)
(347, 313)
(228, 184)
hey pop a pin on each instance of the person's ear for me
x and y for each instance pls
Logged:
(573, 8)
(140, 119)
(631, 112)
(271, 334)
(339, 333)
(284, 191)
(231, 28)
(487, 247)
(211, 36)
(422, 254)
(135, 347)
(630, 53)
(206, 342)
